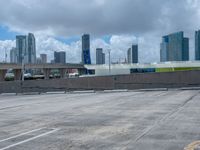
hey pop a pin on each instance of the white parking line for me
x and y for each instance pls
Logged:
(30, 139)
(21, 134)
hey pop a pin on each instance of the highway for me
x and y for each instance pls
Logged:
(133, 120)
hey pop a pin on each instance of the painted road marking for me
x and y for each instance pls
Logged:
(29, 139)
(21, 134)
(193, 146)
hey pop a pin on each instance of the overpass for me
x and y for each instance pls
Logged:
(17, 68)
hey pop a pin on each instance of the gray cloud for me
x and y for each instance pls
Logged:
(125, 20)
(99, 17)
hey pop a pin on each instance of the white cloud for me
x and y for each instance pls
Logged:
(148, 19)
(5, 47)
(119, 45)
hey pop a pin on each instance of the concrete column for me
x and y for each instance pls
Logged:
(62, 73)
(18, 74)
(47, 72)
(2, 75)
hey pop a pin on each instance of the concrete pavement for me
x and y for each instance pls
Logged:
(143, 120)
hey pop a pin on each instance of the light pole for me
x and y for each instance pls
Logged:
(22, 68)
(5, 55)
(109, 51)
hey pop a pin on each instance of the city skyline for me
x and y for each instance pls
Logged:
(174, 47)
(117, 27)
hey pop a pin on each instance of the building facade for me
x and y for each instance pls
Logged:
(31, 49)
(43, 58)
(13, 55)
(100, 56)
(174, 47)
(132, 54)
(26, 49)
(60, 57)
(21, 47)
(86, 59)
(197, 45)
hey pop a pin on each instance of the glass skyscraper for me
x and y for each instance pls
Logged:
(21, 47)
(31, 49)
(100, 56)
(60, 57)
(132, 54)
(197, 45)
(26, 48)
(86, 59)
(174, 47)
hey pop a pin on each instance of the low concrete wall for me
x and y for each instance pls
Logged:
(134, 81)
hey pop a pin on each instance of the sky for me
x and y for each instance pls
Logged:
(112, 24)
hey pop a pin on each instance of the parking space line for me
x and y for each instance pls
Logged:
(30, 139)
(21, 134)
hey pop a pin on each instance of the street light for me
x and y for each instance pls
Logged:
(5, 55)
(109, 51)
(22, 67)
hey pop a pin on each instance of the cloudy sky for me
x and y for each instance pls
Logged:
(112, 24)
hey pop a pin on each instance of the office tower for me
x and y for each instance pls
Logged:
(164, 49)
(13, 55)
(60, 57)
(185, 49)
(197, 45)
(21, 46)
(104, 58)
(100, 56)
(174, 47)
(43, 58)
(132, 54)
(86, 59)
(31, 49)
(38, 60)
(26, 48)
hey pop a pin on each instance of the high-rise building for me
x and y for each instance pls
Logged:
(100, 56)
(38, 60)
(21, 47)
(132, 54)
(60, 57)
(197, 45)
(104, 58)
(26, 48)
(174, 47)
(13, 55)
(86, 59)
(31, 49)
(43, 58)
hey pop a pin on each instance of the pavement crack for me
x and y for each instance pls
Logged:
(148, 130)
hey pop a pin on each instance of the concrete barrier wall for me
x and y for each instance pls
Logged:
(134, 81)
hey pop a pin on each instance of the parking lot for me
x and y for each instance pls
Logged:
(133, 120)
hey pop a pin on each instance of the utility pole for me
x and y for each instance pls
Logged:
(22, 68)
(5, 55)
(109, 51)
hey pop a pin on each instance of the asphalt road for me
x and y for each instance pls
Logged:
(145, 120)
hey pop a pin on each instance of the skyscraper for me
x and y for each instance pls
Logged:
(60, 57)
(26, 48)
(21, 47)
(174, 47)
(132, 54)
(86, 59)
(100, 56)
(104, 58)
(43, 58)
(197, 45)
(31, 49)
(13, 55)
